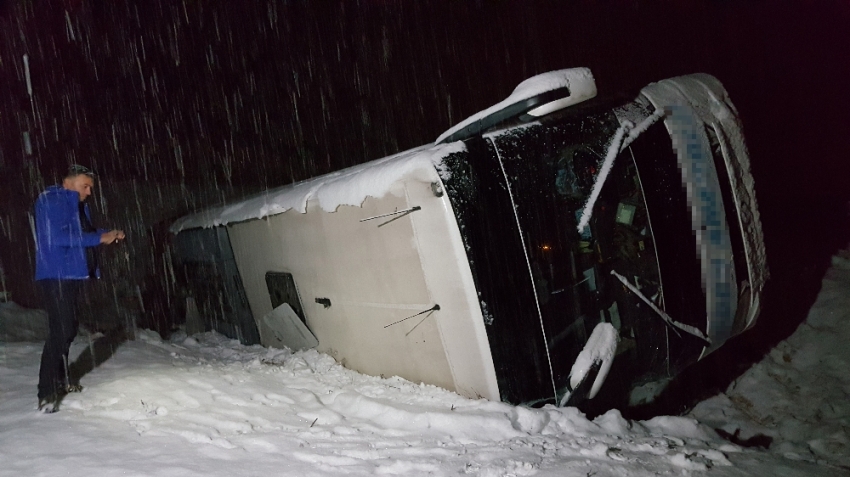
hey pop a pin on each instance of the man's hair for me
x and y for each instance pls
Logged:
(75, 170)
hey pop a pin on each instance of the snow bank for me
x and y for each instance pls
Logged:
(349, 186)
(798, 395)
(206, 405)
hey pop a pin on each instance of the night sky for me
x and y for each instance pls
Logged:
(219, 99)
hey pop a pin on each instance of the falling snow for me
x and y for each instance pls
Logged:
(184, 105)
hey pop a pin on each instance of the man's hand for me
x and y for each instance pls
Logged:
(111, 236)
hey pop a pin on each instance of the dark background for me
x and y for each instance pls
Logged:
(183, 104)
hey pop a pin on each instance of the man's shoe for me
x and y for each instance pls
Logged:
(47, 405)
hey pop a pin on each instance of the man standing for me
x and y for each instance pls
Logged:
(65, 240)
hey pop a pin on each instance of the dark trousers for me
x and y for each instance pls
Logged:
(59, 298)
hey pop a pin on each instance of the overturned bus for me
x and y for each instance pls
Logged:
(520, 257)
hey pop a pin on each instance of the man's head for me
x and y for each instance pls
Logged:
(79, 179)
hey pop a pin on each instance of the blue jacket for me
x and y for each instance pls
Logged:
(59, 238)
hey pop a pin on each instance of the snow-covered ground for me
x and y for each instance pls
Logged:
(206, 405)
(799, 394)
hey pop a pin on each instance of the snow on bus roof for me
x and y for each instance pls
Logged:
(348, 186)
